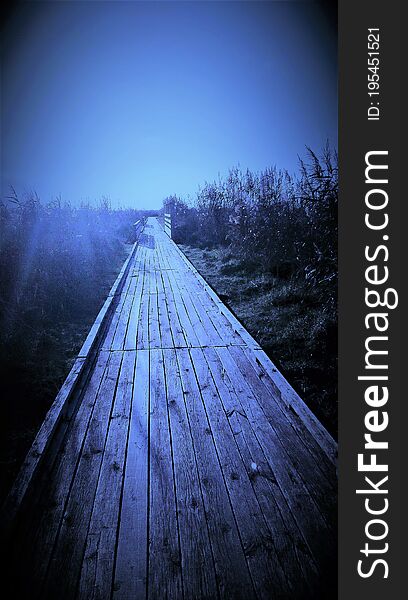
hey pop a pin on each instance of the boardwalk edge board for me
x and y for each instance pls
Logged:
(58, 408)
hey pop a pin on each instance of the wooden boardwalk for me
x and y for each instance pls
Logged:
(183, 466)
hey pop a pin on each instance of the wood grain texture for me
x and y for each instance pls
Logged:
(131, 554)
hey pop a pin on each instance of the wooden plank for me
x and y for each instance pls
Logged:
(185, 306)
(306, 512)
(205, 305)
(131, 558)
(212, 336)
(142, 340)
(181, 327)
(160, 254)
(234, 579)
(118, 341)
(198, 572)
(158, 272)
(238, 327)
(258, 541)
(166, 246)
(165, 329)
(164, 570)
(105, 314)
(70, 544)
(291, 547)
(154, 329)
(224, 328)
(33, 545)
(98, 562)
(166, 335)
(292, 400)
(321, 487)
(137, 266)
(116, 317)
(165, 251)
(309, 435)
(133, 321)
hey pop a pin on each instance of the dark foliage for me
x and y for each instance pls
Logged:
(57, 263)
(51, 257)
(286, 225)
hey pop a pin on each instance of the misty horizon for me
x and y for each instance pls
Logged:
(138, 101)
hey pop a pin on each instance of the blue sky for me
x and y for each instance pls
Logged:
(139, 100)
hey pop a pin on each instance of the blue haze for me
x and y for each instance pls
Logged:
(139, 100)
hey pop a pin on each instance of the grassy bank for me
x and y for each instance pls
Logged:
(286, 318)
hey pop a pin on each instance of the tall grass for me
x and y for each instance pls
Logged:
(284, 224)
(273, 236)
(51, 258)
(57, 263)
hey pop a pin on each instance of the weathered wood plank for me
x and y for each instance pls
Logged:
(229, 328)
(137, 266)
(115, 319)
(306, 511)
(118, 340)
(71, 539)
(183, 331)
(291, 547)
(320, 485)
(238, 327)
(225, 329)
(233, 575)
(98, 562)
(186, 310)
(131, 558)
(33, 545)
(105, 314)
(142, 339)
(166, 335)
(305, 418)
(263, 561)
(212, 336)
(164, 568)
(154, 329)
(199, 582)
(133, 322)
(163, 245)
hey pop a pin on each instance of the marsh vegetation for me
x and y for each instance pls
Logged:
(57, 264)
(267, 243)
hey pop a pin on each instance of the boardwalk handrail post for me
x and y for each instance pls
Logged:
(167, 224)
(137, 229)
